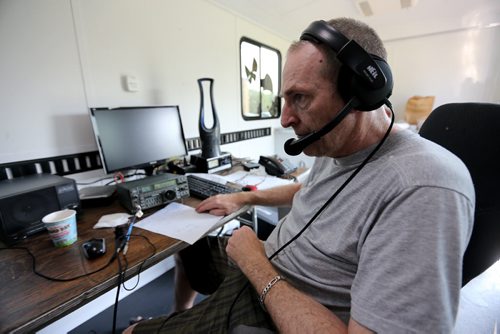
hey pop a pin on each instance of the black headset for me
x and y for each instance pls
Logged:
(364, 81)
(365, 77)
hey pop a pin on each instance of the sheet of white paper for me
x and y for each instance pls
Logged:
(260, 181)
(179, 221)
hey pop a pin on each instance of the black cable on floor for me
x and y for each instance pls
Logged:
(121, 277)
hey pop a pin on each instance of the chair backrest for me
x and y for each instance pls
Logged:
(472, 132)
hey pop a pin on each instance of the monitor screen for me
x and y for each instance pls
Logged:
(138, 137)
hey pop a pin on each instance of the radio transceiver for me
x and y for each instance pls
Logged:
(152, 191)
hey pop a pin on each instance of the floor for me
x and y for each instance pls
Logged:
(154, 299)
(151, 300)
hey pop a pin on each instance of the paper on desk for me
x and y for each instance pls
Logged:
(261, 181)
(180, 222)
(112, 220)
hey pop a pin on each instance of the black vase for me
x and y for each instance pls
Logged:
(210, 137)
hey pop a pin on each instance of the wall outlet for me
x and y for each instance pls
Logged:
(131, 83)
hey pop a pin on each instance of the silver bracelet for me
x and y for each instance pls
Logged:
(268, 287)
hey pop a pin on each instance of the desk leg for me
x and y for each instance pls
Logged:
(250, 219)
(255, 220)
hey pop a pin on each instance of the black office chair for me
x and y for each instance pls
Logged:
(472, 132)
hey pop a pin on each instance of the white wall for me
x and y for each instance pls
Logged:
(42, 101)
(60, 57)
(457, 66)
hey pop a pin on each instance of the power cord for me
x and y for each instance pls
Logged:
(121, 279)
(122, 269)
(56, 279)
(121, 246)
(136, 173)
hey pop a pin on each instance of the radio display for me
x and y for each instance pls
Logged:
(157, 186)
(212, 163)
(164, 184)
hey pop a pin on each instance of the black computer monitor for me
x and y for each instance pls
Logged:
(138, 137)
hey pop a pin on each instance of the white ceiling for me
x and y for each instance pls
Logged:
(288, 18)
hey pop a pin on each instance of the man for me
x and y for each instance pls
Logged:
(376, 234)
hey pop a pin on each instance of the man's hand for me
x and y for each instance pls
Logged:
(225, 204)
(222, 204)
(292, 311)
(246, 250)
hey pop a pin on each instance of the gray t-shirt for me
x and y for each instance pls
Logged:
(388, 249)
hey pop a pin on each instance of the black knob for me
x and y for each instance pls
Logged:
(170, 195)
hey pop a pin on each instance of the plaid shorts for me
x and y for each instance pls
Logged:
(232, 301)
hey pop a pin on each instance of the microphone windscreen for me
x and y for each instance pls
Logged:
(293, 148)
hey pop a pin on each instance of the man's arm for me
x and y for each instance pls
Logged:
(222, 205)
(291, 310)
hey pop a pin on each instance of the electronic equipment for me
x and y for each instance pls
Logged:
(203, 188)
(277, 166)
(181, 167)
(152, 191)
(96, 192)
(94, 248)
(92, 196)
(24, 201)
(211, 165)
(138, 137)
(364, 82)
(249, 165)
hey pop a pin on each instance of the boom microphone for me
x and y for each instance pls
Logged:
(296, 146)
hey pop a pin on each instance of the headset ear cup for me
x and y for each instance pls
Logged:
(351, 85)
(345, 83)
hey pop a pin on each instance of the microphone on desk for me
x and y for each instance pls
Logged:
(122, 238)
(296, 146)
(138, 214)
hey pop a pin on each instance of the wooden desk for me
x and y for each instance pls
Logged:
(29, 302)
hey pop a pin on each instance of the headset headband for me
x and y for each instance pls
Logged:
(348, 52)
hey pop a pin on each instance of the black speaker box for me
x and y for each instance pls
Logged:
(24, 201)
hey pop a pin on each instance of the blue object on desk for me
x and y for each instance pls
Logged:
(129, 233)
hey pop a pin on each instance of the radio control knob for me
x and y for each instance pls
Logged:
(170, 195)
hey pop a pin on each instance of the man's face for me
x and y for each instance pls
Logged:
(311, 100)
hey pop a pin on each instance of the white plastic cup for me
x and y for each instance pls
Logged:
(61, 226)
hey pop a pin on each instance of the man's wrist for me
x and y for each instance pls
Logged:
(268, 288)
